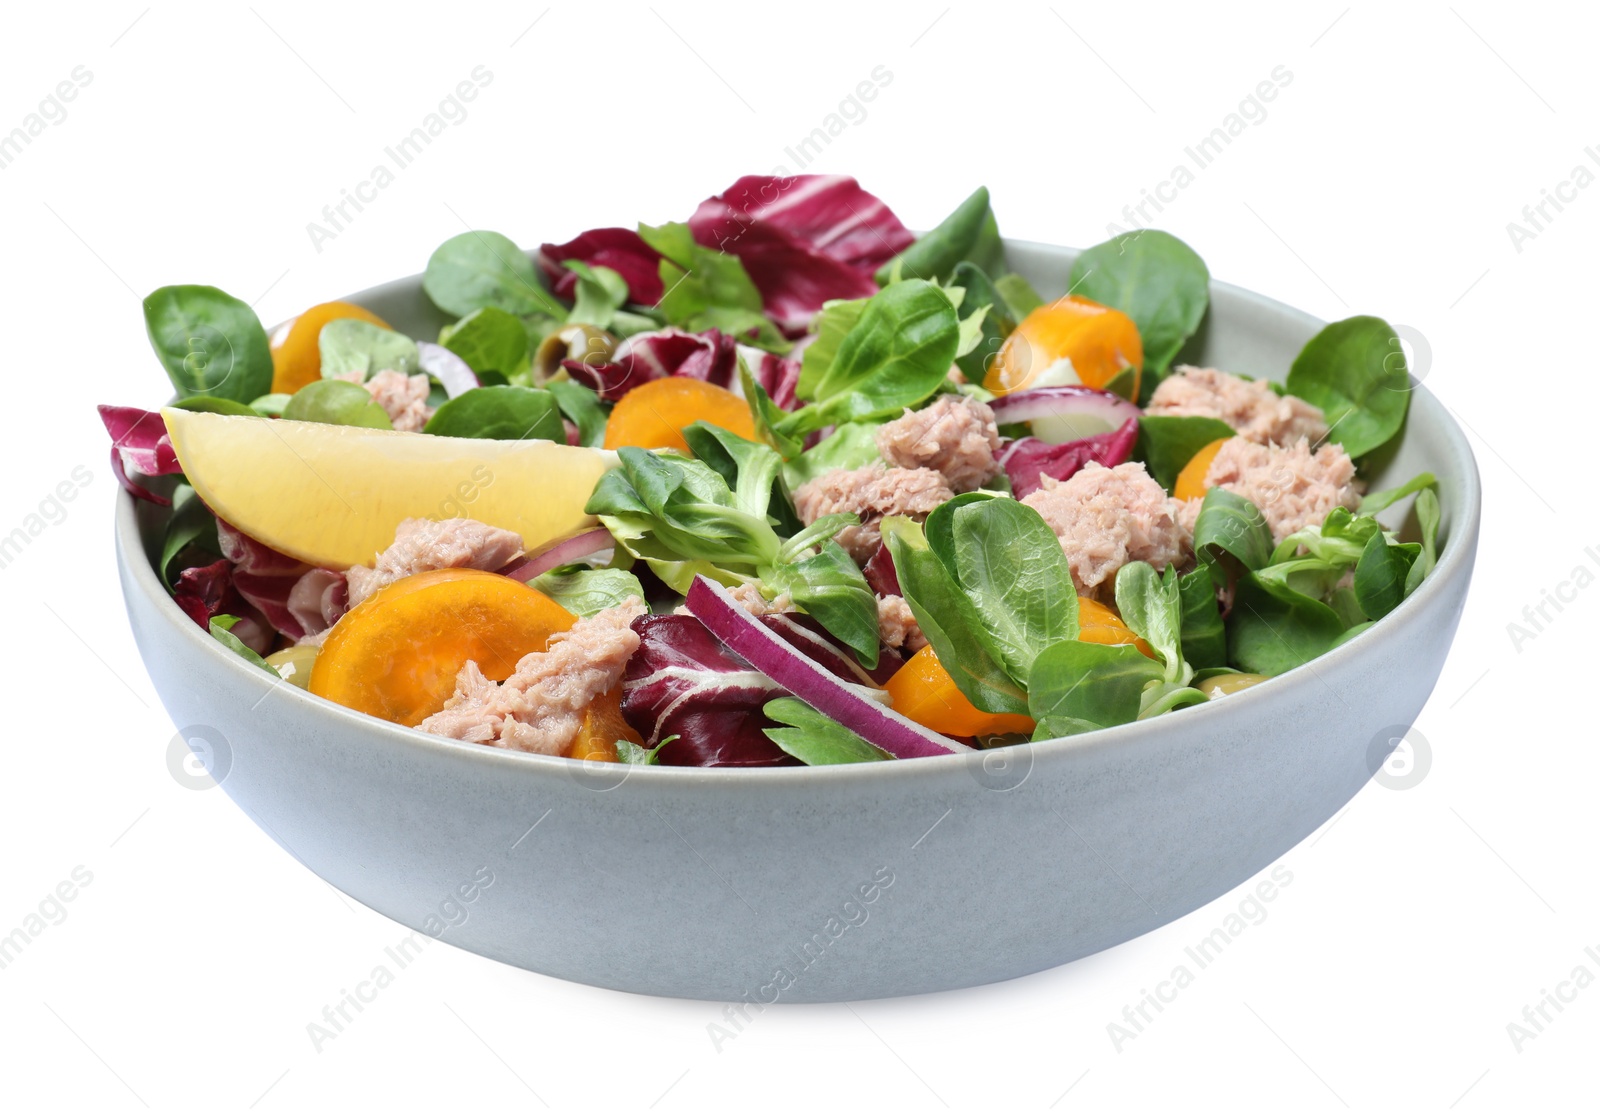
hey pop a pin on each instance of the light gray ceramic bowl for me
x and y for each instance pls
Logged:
(822, 884)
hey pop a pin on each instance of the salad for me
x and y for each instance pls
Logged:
(780, 484)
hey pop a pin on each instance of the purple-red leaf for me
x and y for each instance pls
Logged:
(712, 356)
(803, 240)
(622, 250)
(1026, 460)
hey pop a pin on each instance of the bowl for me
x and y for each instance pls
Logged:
(832, 883)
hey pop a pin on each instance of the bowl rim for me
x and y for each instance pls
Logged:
(1454, 562)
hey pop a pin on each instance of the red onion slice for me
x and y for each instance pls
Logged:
(448, 369)
(559, 553)
(774, 657)
(1064, 413)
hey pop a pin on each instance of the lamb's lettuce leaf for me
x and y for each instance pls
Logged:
(814, 737)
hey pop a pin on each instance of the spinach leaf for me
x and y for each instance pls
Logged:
(897, 354)
(996, 323)
(1203, 637)
(831, 326)
(1355, 370)
(477, 269)
(489, 340)
(1229, 523)
(950, 621)
(351, 345)
(829, 586)
(221, 629)
(1019, 295)
(1373, 503)
(1167, 443)
(192, 526)
(816, 738)
(501, 412)
(582, 405)
(969, 233)
(1078, 687)
(210, 343)
(1272, 629)
(1011, 567)
(850, 446)
(339, 403)
(586, 591)
(215, 405)
(1152, 606)
(1153, 278)
(1381, 575)
(1427, 509)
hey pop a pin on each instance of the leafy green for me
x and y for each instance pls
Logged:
(831, 326)
(489, 340)
(1153, 278)
(1381, 575)
(1019, 295)
(749, 469)
(1229, 523)
(996, 323)
(270, 405)
(950, 621)
(1078, 687)
(1152, 606)
(1010, 565)
(1355, 370)
(707, 289)
(191, 527)
(850, 446)
(503, 411)
(350, 345)
(767, 416)
(1272, 629)
(897, 354)
(829, 586)
(598, 294)
(1373, 503)
(630, 753)
(216, 405)
(969, 233)
(581, 404)
(1204, 639)
(816, 738)
(1168, 442)
(338, 402)
(1427, 509)
(476, 269)
(221, 629)
(210, 343)
(586, 591)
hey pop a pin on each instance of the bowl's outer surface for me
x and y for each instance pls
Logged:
(747, 885)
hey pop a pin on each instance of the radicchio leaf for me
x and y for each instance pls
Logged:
(139, 443)
(684, 681)
(1026, 460)
(803, 240)
(204, 592)
(712, 356)
(622, 250)
(264, 577)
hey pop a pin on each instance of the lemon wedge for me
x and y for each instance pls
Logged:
(332, 496)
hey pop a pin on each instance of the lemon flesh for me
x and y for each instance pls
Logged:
(332, 496)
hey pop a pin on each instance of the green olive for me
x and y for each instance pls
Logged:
(574, 342)
(293, 664)
(1223, 685)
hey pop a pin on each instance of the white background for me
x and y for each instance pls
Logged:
(1419, 922)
